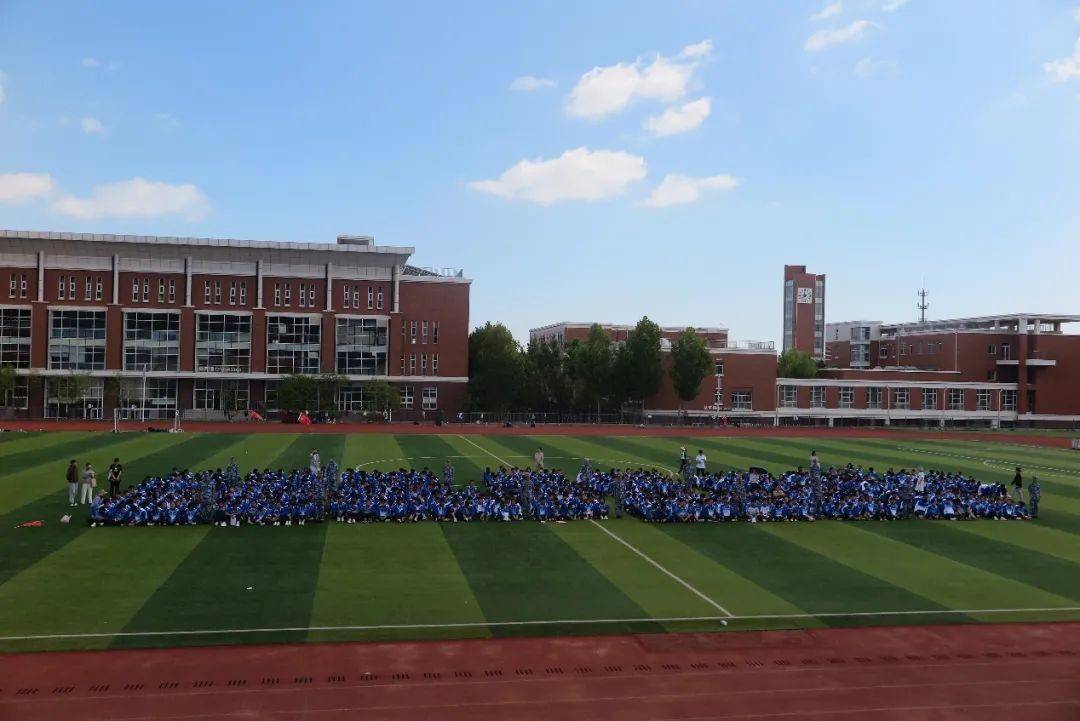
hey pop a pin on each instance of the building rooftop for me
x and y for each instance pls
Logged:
(618, 326)
(1008, 321)
(344, 244)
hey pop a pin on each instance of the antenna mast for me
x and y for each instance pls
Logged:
(922, 305)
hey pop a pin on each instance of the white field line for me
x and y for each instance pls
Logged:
(652, 562)
(554, 622)
(1001, 463)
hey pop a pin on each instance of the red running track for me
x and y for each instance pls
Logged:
(544, 430)
(991, 672)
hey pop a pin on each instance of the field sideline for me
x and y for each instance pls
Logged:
(73, 587)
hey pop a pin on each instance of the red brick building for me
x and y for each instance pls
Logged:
(194, 323)
(804, 311)
(744, 381)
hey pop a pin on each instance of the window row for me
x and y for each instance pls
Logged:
(213, 292)
(350, 297)
(141, 289)
(283, 295)
(900, 398)
(412, 368)
(420, 331)
(18, 285)
(15, 337)
(68, 286)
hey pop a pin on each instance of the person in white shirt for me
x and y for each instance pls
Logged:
(538, 459)
(699, 463)
(86, 488)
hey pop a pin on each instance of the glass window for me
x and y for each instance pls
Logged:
(243, 292)
(77, 340)
(718, 367)
(152, 398)
(22, 286)
(431, 398)
(62, 289)
(424, 332)
(12, 286)
(742, 400)
(378, 302)
(370, 297)
(223, 343)
(788, 396)
(423, 364)
(146, 290)
(277, 293)
(88, 291)
(288, 294)
(434, 330)
(206, 292)
(152, 341)
(929, 398)
(303, 295)
(356, 296)
(982, 399)
(901, 398)
(847, 397)
(362, 346)
(293, 344)
(874, 397)
(18, 395)
(232, 292)
(217, 292)
(15, 337)
(407, 397)
(817, 397)
(218, 394)
(956, 399)
(311, 295)
(63, 399)
(172, 291)
(160, 291)
(1008, 400)
(434, 364)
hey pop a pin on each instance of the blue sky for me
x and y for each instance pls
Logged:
(581, 161)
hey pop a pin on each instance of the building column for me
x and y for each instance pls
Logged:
(187, 281)
(329, 287)
(116, 280)
(1021, 368)
(41, 276)
(395, 289)
(259, 284)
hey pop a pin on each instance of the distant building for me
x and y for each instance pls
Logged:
(195, 324)
(852, 344)
(804, 311)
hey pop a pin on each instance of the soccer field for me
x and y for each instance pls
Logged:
(75, 587)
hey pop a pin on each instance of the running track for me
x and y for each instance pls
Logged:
(1007, 671)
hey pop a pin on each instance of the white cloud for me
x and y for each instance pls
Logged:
(92, 126)
(91, 63)
(1066, 68)
(677, 189)
(868, 66)
(891, 6)
(680, 119)
(697, 50)
(136, 198)
(824, 39)
(830, 10)
(604, 91)
(20, 187)
(579, 174)
(531, 82)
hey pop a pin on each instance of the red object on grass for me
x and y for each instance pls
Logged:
(255, 416)
(303, 419)
(31, 524)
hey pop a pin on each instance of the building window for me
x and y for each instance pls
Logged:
(431, 398)
(356, 296)
(718, 367)
(788, 396)
(270, 394)
(434, 331)
(288, 294)
(378, 301)
(874, 397)
(232, 292)
(423, 331)
(62, 290)
(59, 402)
(407, 397)
(1008, 400)
(71, 287)
(412, 364)
(98, 289)
(742, 400)
(15, 337)
(883, 352)
(982, 399)
(434, 364)
(1006, 351)
(88, 290)
(18, 395)
(217, 292)
(151, 341)
(956, 399)
(213, 394)
(362, 346)
(292, 344)
(402, 364)
(22, 286)
(901, 398)
(991, 349)
(817, 396)
(929, 399)
(154, 398)
(423, 364)
(77, 340)
(243, 292)
(206, 292)
(222, 343)
(344, 296)
(160, 291)
(277, 294)
(146, 290)
(12, 286)
(311, 295)
(370, 297)
(847, 397)
(302, 295)
(412, 331)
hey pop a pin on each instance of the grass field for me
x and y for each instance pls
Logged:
(73, 587)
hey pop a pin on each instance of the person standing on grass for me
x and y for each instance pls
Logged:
(73, 482)
(316, 462)
(86, 488)
(116, 473)
(538, 459)
(448, 473)
(1018, 486)
(1035, 493)
(683, 460)
(699, 463)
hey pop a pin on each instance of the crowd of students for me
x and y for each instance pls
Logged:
(279, 497)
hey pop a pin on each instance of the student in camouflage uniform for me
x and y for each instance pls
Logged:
(1034, 494)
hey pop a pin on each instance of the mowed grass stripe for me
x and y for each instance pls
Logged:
(371, 451)
(1035, 457)
(11, 443)
(242, 577)
(1039, 570)
(941, 579)
(526, 572)
(67, 449)
(24, 547)
(1034, 536)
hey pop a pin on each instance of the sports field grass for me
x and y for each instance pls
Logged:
(70, 586)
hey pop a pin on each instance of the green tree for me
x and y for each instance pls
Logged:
(380, 396)
(327, 387)
(8, 379)
(496, 370)
(639, 364)
(593, 365)
(298, 393)
(547, 384)
(690, 363)
(794, 363)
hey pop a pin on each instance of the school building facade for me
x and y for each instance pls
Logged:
(196, 324)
